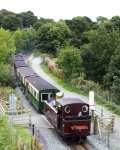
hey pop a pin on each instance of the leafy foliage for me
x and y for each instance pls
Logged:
(25, 39)
(41, 22)
(7, 46)
(97, 56)
(28, 18)
(12, 21)
(78, 25)
(53, 36)
(5, 74)
(70, 61)
(112, 78)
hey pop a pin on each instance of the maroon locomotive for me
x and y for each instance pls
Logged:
(70, 117)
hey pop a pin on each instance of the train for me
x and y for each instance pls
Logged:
(69, 116)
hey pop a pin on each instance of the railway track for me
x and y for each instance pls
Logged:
(81, 147)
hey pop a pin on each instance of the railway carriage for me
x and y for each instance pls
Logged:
(35, 88)
(39, 90)
(23, 72)
(70, 117)
(19, 57)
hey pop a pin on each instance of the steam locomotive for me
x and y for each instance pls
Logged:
(70, 116)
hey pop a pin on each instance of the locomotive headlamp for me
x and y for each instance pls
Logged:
(67, 109)
(84, 108)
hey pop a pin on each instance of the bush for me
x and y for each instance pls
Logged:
(69, 60)
(5, 74)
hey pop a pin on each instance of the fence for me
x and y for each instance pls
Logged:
(21, 117)
(2, 111)
(34, 144)
(104, 130)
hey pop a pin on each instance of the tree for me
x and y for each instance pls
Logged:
(78, 25)
(28, 18)
(101, 20)
(53, 36)
(11, 22)
(102, 47)
(69, 60)
(25, 39)
(7, 45)
(112, 78)
(5, 74)
(42, 21)
(114, 68)
(88, 62)
(116, 22)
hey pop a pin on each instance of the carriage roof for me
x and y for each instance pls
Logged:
(40, 84)
(20, 64)
(67, 100)
(26, 71)
(19, 57)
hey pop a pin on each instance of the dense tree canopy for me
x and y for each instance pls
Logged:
(13, 21)
(97, 57)
(78, 25)
(69, 59)
(53, 36)
(25, 40)
(41, 22)
(28, 18)
(112, 78)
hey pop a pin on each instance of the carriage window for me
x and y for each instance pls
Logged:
(44, 97)
(34, 93)
(37, 96)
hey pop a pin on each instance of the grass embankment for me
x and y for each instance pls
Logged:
(68, 86)
(65, 84)
(10, 136)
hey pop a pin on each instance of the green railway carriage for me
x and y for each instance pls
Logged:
(39, 90)
(34, 87)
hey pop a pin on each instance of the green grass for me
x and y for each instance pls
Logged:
(68, 86)
(9, 135)
(24, 134)
(5, 136)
